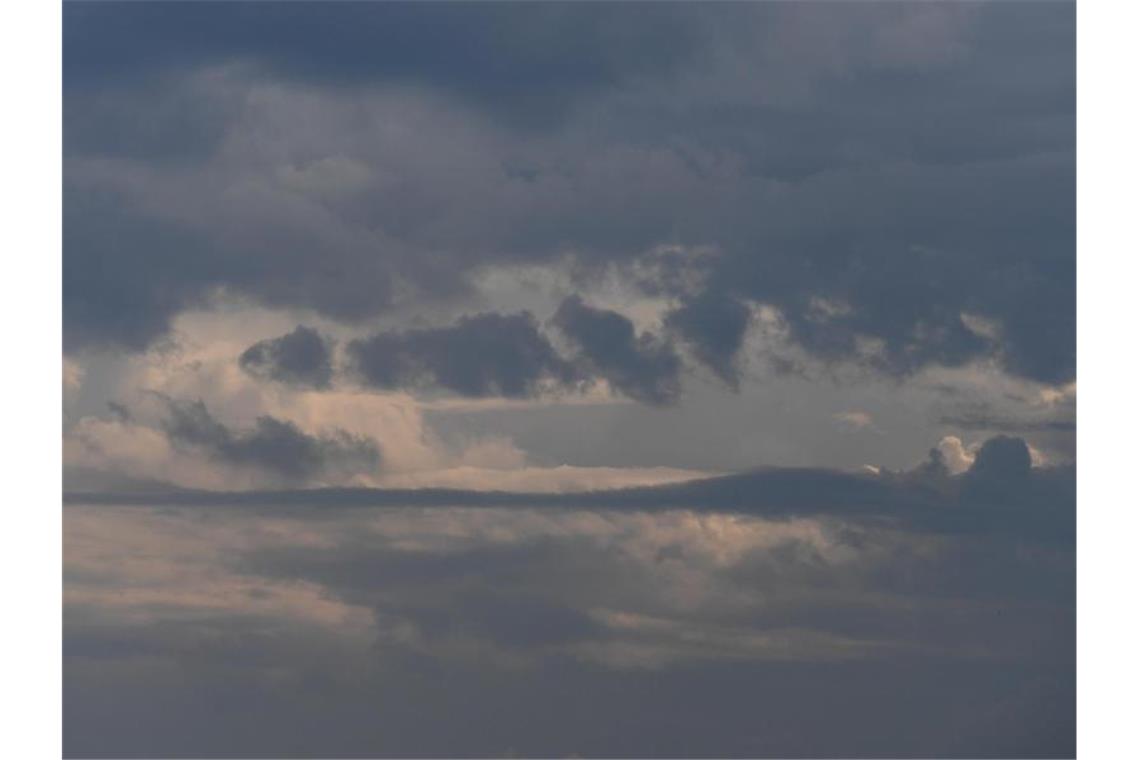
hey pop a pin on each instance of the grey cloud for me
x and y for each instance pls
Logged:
(125, 274)
(988, 420)
(1000, 496)
(302, 357)
(715, 327)
(923, 167)
(643, 367)
(946, 644)
(482, 355)
(395, 708)
(526, 65)
(119, 411)
(1001, 458)
(273, 445)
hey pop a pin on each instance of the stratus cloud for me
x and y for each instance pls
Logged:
(542, 480)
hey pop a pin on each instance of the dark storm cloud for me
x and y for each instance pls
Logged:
(273, 445)
(643, 367)
(904, 163)
(302, 357)
(482, 355)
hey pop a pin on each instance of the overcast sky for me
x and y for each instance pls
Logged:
(556, 248)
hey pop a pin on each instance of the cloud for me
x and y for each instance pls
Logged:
(856, 420)
(956, 456)
(699, 127)
(714, 326)
(482, 355)
(678, 623)
(277, 446)
(302, 357)
(986, 420)
(525, 65)
(1004, 496)
(643, 367)
(1002, 457)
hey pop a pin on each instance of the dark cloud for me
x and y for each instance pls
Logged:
(867, 633)
(987, 420)
(1000, 495)
(922, 167)
(643, 367)
(272, 445)
(125, 274)
(715, 327)
(1002, 458)
(482, 355)
(302, 357)
(933, 618)
(526, 64)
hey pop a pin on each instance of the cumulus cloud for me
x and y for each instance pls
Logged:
(957, 457)
(643, 367)
(302, 357)
(714, 326)
(275, 445)
(482, 355)
(858, 207)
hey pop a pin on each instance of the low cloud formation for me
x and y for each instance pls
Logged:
(274, 445)
(397, 171)
(667, 624)
(1000, 494)
(714, 326)
(643, 367)
(483, 355)
(302, 358)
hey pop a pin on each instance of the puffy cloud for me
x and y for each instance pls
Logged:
(272, 444)
(482, 355)
(643, 367)
(956, 456)
(1002, 456)
(302, 357)
(714, 326)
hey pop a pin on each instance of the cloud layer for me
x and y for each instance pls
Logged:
(882, 176)
(667, 617)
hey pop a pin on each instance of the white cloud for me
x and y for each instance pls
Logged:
(957, 456)
(855, 419)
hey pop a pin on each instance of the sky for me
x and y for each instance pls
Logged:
(549, 379)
